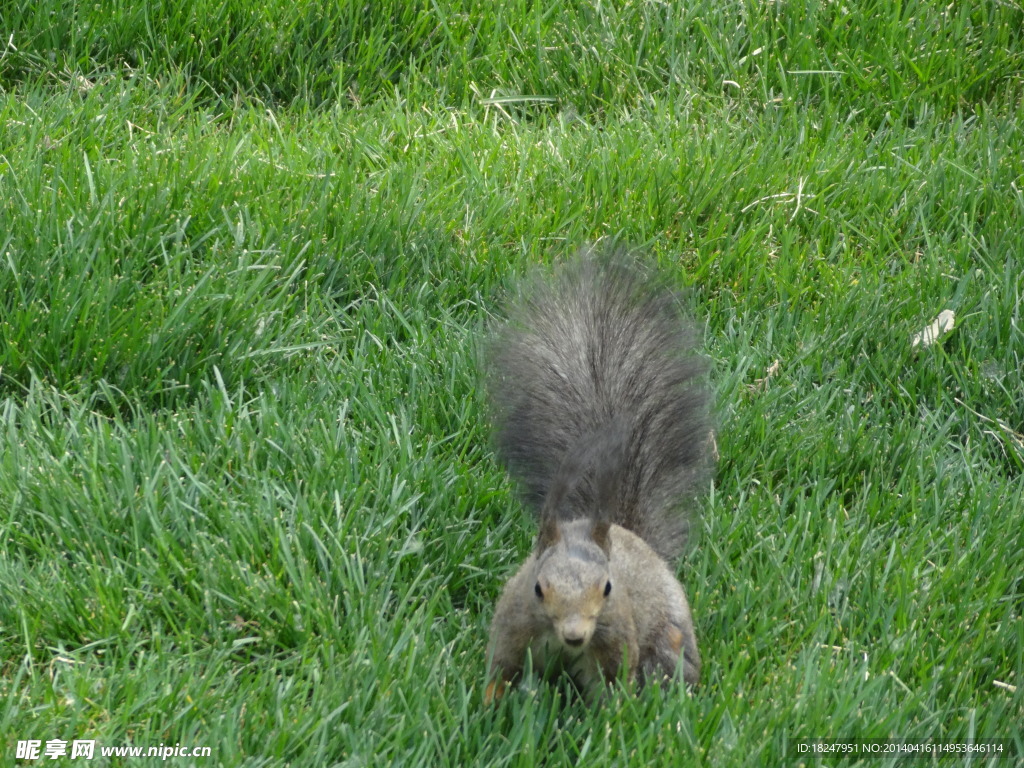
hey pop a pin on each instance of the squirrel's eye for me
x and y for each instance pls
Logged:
(607, 588)
(538, 591)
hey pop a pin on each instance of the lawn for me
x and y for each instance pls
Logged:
(248, 251)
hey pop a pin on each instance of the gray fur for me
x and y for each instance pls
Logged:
(599, 401)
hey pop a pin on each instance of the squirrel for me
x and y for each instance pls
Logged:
(601, 414)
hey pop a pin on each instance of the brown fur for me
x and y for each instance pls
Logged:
(645, 620)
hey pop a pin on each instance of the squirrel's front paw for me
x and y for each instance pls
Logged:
(495, 690)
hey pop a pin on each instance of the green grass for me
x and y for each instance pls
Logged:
(246, 253)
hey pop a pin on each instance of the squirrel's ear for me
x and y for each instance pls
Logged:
(600, 533)
(549, 533)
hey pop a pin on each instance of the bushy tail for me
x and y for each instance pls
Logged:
(599, 402)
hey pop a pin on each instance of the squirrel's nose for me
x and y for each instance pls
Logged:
(575, 632)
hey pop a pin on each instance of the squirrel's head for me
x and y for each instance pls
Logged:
(573, 579)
